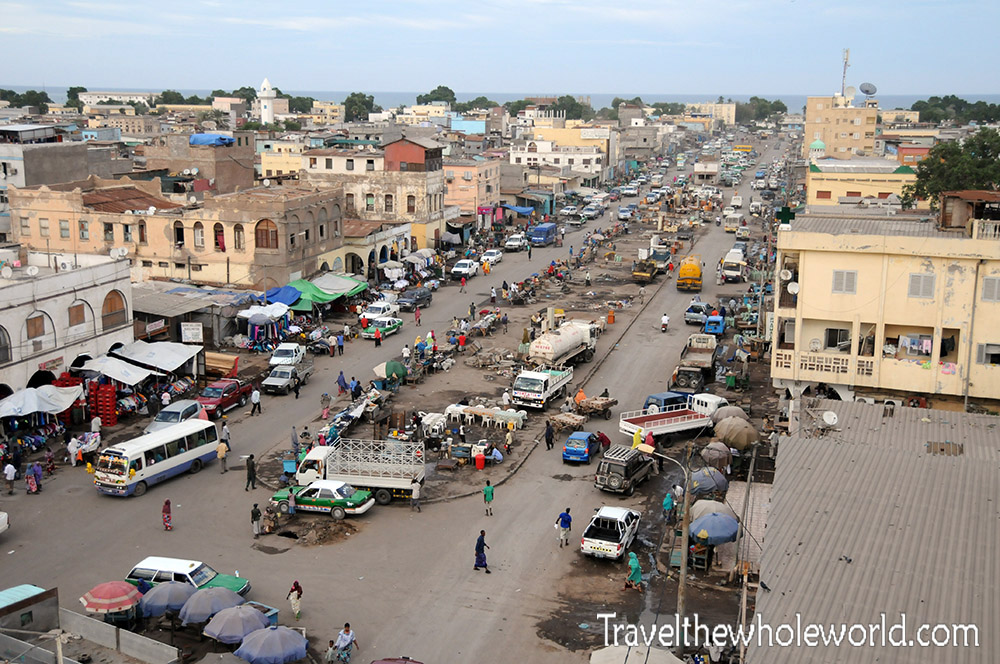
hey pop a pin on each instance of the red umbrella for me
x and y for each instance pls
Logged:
(111, 597)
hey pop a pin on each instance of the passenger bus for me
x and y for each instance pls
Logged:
(130, 468)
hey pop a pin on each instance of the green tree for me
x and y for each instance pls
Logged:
(292, 125)
(299, 104)
(669, 107)
(27, 98)
(196, 100)
(73, 96)
(515, 107)
(219, 93)
(247, 93)
(479, 102)
(573, 108)
(618, 101)
(140, 108)
(975, 164)
(955, 109)
(253, 125)
(170, 97)
(358, 105)
(440, 93)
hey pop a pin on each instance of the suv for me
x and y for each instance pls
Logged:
(414, 297)
(697, 313)
(516, 242)
(178, 411)
(622, 469)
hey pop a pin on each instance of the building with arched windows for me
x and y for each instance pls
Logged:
(55, 313)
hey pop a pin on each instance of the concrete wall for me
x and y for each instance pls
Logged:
(23, 652)
(127, 643)
(43, 609)
(96, 631)
(232, 167)
(146, 649)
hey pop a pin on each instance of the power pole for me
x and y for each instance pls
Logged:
(685, 536)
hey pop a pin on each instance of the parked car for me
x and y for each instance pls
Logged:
(386, 325)
(622, 469)
(178, 411)
(414, 297)
(581, 446)
(624, 214)
(491, 256)
(516, 242)
(378, 309)
(156, 569)
(591, 212)
(465, 268)
(287, 353)
(697, 313)
(338, 499)
(223, 395)
(569, 211)
(4, 522)
(282, 379)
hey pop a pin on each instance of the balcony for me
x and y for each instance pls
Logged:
(987, 229)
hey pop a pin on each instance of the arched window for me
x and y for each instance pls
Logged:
(322, 216)
(39, 333)
(199, 235)
(219, 237)
(178, 234)
(532, 147)
(266, 234)
(388, 203)
(5, 350)
(349, 201)
(239, 238)
(411, 204)
(113, 312)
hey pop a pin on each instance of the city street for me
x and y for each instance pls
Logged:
(404, 580)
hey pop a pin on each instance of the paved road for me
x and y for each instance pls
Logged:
(405, 581)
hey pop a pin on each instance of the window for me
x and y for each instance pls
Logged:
(988, 354)
(239, 238)
(142, 232)
(329, 164)
(312, 162)
(856, 194)
(823, 195)
(517, 160)
(586, 162)
(991, 289)
(921, 285)
(857, 135)
(178, 266)
(370, 165)
(25, 227)
(77, 314)
(64, 229)
(838, 339)
(266, 234)
(199, 235)
(36, 326)
(126, 233)
(388, 202)
(857, 121)
(43, 227)
(195, 267)
(268, 174)
(109, 232)
(403, 166)
(291, 241)
(163, 264)
(369, 202)
(411, 204)
(349, 165)
(322, 231)
(555, 160)
(307, 235)
(113, 312)
(178, 234)
(147, 263)
(489, 189)
(845, 281)
(570, 161)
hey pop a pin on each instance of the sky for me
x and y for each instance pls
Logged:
(733, 47)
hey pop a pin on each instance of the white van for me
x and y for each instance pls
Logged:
(733, 266)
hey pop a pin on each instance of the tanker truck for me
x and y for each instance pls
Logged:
(689, 273)
(571, 342)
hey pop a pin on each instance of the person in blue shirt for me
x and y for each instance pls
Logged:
(564, 522)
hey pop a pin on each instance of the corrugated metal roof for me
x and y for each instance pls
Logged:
(120, 199)
(921, 531)
(857, 225)
(973, 195)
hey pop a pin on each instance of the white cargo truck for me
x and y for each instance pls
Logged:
(384, 467)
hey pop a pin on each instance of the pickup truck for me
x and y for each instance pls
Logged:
(516, 242)
(697, 362)
(536, 389)
(287, 353)
(379, 309)
(610, 532)
(696, 413)
(223, 395)
(282, 378)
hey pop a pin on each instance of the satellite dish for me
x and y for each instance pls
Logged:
(868, 89)
(829, 419)
(793, 288)
(151, 210)
(32, 270)
(129, 212)
(194, 171)
(6, 272)
(267, 183)
(785, 275)
(850, 91)
(209, 124)
(192, 199)
(815, 345)
(186, 171)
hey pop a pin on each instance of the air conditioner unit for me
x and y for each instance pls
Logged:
(868, 400)
(65, 265)
(12, 171)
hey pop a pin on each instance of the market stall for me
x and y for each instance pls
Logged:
(116, 388)
(29, 419)
(267, 325)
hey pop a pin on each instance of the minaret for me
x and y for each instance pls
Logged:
(267, 95)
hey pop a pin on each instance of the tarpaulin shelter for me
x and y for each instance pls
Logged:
(119, 370)
(166, 355)
(311, 295)
(210, 139)
(267, 321)
(274, 311)
(45, 399)
(286, 295)
(521, 210)
(336, 284)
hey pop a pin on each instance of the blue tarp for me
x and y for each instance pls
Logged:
(520, 210)
(210, 139)
(286, 295)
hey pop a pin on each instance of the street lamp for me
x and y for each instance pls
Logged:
(685, 534)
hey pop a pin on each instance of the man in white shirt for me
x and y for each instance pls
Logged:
(665, 321)
(406, 354)
(9, 473)
(505, 398)
(255, 401)
(165, 398)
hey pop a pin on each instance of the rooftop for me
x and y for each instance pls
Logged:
(122, 199)
(338, 152)
(843, 225)
(859, 165)
(854, 530)
(978, 196)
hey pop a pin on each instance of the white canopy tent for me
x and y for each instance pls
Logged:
(166, 355)
(119, 370)
(44, 399)
(274, 310)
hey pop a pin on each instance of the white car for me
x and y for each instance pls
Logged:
(178, 411)
(516, 242)
(569, 211)
(465, 268)
(491, 256)
(4, 522)
(378, 309)
(728, 210)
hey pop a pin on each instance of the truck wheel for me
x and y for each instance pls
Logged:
(696, 384)
(588, 355)
(630, 490)
(283, 507)
(139, 489)
(383, 496)
(682, 380)
(607, 414)
(338, 513)
(615, 481)
(243, 400)
(195, 466)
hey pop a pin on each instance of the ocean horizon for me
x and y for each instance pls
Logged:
(393, 99)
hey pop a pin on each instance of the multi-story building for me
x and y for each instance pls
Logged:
(841, 185)
(225, 167)
(435, 112)
(724, 112)
(134, 125)
(588, 160)
(327, 112)
(876, 307)
(403, 183)
(53, 313)
(89, 98)
(281, 157)
(847, 130)
(260, 237)
(605, 138)
(473, 185)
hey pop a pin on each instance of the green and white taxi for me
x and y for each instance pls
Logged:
(338, 499)
(387, 324)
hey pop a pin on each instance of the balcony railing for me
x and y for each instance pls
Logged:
(783, 359)
(987, 229)
(831, 364)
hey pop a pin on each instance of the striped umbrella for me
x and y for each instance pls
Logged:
(111, 597)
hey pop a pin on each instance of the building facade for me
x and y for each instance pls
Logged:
(724, 112)
(589, 160)
(847, 130)
(472, 184)
(90, 98)
(225, 167)
(52, 317)
(847, 183)
(894, 308)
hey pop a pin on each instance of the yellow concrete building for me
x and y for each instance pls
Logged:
(326, 112)
(724, 112)
(836, 182)
(883, 308)
(284, 158)
(846, 130)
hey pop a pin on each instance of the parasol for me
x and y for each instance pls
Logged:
(233, 624)
(273, 645)
(704, 506)
(259, 320)
(163, 597)
(717, 454)
(708, 480)
(597, 236)
(206, 602)
(729, 411)
(111, 597)
(715, 528)
(740, 434)
(390, 265)
(390, 368)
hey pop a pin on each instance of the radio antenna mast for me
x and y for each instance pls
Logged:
(843, 80)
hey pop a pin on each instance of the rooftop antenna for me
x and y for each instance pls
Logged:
(843, 79)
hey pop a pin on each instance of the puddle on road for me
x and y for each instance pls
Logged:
(270, 550)
(563, 478)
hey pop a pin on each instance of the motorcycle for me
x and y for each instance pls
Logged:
(664, 324)
(718, 221)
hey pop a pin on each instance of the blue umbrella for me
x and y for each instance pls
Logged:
(708, 480)
(274, 645)
(169, 596)
(206, 603)
(232, 624)
(714, 528)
